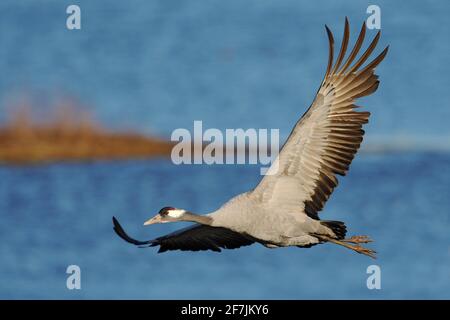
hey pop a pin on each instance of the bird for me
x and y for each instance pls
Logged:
(283, 209)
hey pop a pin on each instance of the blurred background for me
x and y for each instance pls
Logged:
(149, 67)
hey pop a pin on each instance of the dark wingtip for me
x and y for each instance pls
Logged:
(384, 52)
(122, 234)
(118, 228)
(347, 24)
(378, 35)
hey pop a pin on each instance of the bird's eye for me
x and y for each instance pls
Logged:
(165, 211)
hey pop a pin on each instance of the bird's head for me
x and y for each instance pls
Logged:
(166, 214)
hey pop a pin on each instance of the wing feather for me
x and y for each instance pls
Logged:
(343, 47)
(325, 140)
(194, 238)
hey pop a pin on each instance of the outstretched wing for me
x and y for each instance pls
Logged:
(327, 137)
(194, 238)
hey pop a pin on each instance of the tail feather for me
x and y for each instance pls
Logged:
(338, 227)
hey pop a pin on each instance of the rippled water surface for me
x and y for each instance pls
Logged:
(154, 66)
(58, 215)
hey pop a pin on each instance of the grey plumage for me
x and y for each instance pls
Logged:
(282, 210)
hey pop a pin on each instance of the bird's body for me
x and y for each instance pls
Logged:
(246, 214)
(282, 210)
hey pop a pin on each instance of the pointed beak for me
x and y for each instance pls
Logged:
(155, 219)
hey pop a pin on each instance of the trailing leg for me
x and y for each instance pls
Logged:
(358, 239)
(357, 248)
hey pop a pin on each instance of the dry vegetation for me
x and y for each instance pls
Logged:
(70, 136)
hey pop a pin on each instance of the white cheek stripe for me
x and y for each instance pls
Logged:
(176, 213)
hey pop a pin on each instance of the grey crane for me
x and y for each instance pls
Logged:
(282, 210)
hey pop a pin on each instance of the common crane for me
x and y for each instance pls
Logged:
(282, 210)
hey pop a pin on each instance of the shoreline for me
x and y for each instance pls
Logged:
(35, 145)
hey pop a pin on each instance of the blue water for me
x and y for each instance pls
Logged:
(155, 66)
(57, 215)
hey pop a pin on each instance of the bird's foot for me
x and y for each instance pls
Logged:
(368, 252)
(345, 243)
(358, 239)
